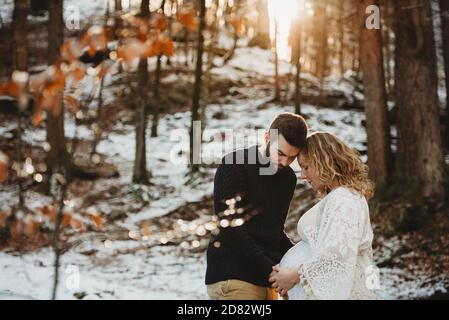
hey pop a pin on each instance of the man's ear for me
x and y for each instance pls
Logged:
(266, 137)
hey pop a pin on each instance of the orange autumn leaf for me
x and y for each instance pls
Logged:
(66, 218)
(84, 39)
(71, 50)
(13, 89)
(236, 24)
(91, 50)
(37, 118)
(187, 19)
(97, 39)
(98, 221)
(72, 103)
(142, 28)
(17, 230)
(154, 49)
(77, 74)
(31, 228)
(50, 212)
(160, 23)
(76, 223)
(3, 167)
(168, 48)
(53, 102)
(3, 218)
(132, 50)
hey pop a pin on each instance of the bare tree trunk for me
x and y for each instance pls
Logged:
(214, 30)
(156, 98)
(58, 157)
(20, 62)
(145, 8)
(420, 156)
(387, 44)
(20, 45)
(277, 82)
(140, 174)
(341, 36)
(296, 55)
(321, 34)
(195, 154)
(444, 8)
(377, 124)
(118, 5)
(56, 236)
(156, 95)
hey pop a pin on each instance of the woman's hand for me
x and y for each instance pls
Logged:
(283, 279)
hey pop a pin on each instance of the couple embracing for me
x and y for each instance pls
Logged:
(251, 257)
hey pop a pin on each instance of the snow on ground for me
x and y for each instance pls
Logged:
(153, 274)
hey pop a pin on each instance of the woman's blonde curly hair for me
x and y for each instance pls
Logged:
(336, 164)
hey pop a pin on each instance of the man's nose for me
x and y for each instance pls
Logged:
(284, 162)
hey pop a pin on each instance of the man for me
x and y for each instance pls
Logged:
(252, 203)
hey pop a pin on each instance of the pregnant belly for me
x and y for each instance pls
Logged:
(298, 254)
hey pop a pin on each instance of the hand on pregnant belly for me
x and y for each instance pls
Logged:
(283, 279)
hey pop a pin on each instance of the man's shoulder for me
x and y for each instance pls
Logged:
(241, 156)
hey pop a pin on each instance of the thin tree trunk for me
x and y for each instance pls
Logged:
(277, 82)
(20, 62)
(341, 36)
(377, 124)
(118, 5)
(195, 153)
(56, 237)
(156, 95)
(321, 34)
(297, 56)
(419, 156)
(156, 98)
(387, 45)
(444, 8)
(140, 174)
(58, 157)
(20, 45)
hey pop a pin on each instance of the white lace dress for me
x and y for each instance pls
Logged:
(334, 253)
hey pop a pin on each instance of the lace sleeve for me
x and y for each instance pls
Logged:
(330, 272)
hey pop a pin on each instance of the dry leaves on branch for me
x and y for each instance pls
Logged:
(4, 161)
(187, 19)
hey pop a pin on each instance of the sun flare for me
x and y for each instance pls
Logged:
(285, 12)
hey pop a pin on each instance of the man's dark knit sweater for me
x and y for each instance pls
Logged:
(249, 251)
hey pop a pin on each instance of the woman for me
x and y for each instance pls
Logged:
(334, 255)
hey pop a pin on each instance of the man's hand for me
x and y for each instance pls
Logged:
(283, 279)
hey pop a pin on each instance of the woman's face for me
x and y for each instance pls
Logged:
(309, 174)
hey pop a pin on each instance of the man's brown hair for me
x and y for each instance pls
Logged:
(293, 128)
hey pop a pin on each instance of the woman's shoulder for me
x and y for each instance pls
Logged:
(345, 193)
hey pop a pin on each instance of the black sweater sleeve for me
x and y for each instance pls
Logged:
(229, 183)
(285, 243)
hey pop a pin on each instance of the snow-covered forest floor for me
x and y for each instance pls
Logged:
(153, 242)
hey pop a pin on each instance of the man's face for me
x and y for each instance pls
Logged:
(281, 153)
